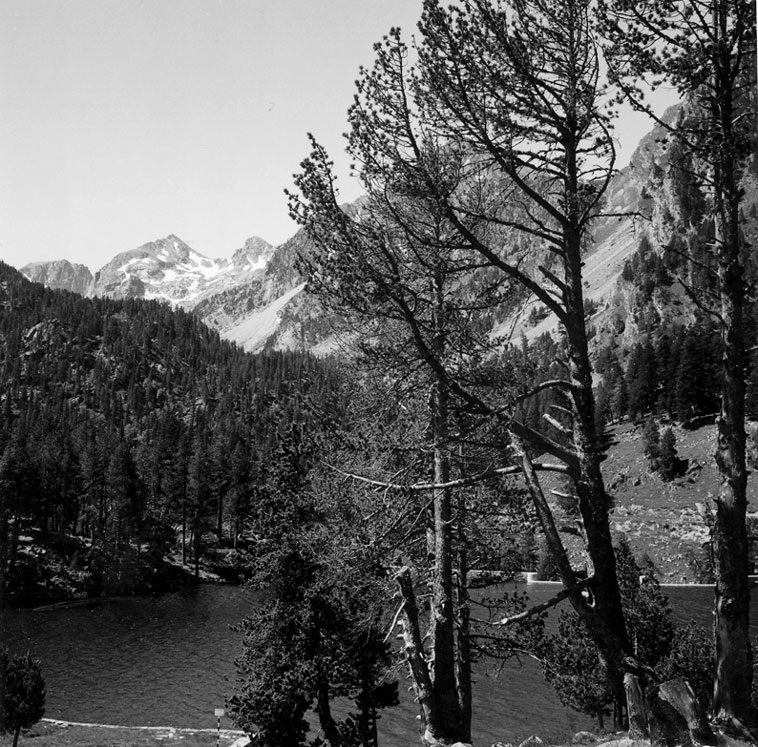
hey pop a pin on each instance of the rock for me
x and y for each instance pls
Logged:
(583, 737)
(724, 740)
(532, 742)
(617, 481)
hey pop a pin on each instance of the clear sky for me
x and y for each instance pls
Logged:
(122, 121)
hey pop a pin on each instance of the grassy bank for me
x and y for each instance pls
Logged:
(53, 734)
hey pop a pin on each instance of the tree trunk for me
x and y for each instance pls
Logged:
(324, 712)
(447, 720)
(184, 533)
(605, 616)
(220, 516)
(734, 665)
(413, 649)
(679, 695)
(463, 670)
(373, 736)
(196, 544)
(15, 736)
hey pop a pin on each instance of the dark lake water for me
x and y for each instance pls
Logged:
(170, 661)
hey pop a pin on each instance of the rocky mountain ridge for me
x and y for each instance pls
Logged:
(167, 269)
(60, 274)
(239, 296)
(255, 298)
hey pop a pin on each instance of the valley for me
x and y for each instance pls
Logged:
(172, 419)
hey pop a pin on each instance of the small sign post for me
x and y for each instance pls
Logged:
(219, 713)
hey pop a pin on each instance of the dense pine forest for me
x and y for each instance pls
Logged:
(130, 431)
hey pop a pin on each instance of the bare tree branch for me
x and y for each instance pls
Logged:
(461, 483)
(546, 605)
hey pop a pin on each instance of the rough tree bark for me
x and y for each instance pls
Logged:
(706, 48)
(734, 666)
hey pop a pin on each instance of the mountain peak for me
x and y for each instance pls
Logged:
(254, 254)
(60, 274)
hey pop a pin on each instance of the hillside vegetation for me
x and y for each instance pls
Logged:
(130, 431)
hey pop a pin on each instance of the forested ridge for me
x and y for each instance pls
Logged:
(135, 427)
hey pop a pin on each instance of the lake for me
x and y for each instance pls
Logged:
(170, 661)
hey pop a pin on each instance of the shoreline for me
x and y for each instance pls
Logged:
(50, 732)
(226, 733)
(530, 579)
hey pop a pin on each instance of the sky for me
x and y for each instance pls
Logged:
(123, 121)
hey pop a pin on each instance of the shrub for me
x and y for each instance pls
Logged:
(22, 693)
(692, 655)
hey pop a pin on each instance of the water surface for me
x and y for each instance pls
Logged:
(170, 661)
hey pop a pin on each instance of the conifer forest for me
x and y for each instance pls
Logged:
(387, 488)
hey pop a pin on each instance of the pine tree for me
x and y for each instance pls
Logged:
(620, 397)
(603, 412)
(651, 442)
(640, 380)
(320, 637)
(668, 460)
(459, 133)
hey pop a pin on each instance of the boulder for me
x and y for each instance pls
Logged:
(583, 737)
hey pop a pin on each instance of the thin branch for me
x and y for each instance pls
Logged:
(693, 297)
(561, 429)
(394, 621)
(550, 384)
(553, 279)
(461, 483)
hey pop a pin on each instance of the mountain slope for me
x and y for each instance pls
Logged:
(271, 310)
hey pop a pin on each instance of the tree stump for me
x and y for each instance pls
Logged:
(675, 716)
(636, 708)
(681, 697)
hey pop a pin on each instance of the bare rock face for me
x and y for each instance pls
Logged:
(60, 274)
